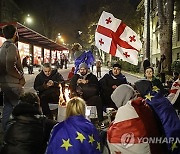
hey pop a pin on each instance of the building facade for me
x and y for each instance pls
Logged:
(154, 32)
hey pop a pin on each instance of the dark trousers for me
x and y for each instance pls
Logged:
(44, 102)
(96, 101)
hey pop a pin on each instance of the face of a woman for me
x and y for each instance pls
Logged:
(149, 73)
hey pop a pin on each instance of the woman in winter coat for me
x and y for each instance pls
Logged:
(149, 75)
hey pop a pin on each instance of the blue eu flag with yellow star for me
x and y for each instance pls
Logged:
(76, 135)
(168, 118)
(85, 57)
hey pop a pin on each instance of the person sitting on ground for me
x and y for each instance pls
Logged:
(164, 112)
(29, 131)
(134, 119)
(76, 134)
(86, 85)
(47, 84)
(149, 75)
(109, 82)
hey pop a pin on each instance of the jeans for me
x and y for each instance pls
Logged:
(11, 98)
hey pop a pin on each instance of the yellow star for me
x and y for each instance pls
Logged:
(91, 139)
(80, 137)
(98, 146)
(66, 144)
(155, 88)
(173, 146)
(149, 96)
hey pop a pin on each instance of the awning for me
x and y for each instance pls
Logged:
(28, 35)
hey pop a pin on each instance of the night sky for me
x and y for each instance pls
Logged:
(66, 16)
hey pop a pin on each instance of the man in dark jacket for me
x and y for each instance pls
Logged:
(47, 83)
(11, 72)
(109, 83)
(86, 85)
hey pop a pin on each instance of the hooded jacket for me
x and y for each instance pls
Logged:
(134, 120)
(28, 131)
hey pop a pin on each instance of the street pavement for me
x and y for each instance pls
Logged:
(30, 80)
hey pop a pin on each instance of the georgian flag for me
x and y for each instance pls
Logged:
(114, 37)
(133, 125)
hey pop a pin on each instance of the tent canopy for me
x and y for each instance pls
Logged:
(28, 35)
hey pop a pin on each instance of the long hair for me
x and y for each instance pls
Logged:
(76, 106)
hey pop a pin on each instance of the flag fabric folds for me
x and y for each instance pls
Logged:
(114, 37)
(168, 118)
(133, 121)
(86, 57)
(76, 135)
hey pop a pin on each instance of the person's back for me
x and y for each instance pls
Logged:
(131, 124)
(163, 110)
(76, 134)
(28, 131)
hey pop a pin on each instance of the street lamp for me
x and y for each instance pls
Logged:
(28, 20)
(59, 39)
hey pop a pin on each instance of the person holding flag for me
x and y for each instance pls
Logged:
(116, 38)
(76, 134)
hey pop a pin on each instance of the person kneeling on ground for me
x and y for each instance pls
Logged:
(76, 134)
(28, 131)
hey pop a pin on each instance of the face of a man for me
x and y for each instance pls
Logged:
(149, 73)
(83, 71)
(116, 71)
(47, 71)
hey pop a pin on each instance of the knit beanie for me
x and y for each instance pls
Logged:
(83, 65)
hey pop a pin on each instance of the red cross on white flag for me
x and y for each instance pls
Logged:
(114, 37)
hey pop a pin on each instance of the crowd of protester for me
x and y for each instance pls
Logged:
(141, 110)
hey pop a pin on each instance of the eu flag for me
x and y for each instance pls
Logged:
(168, 118)
(85, 57)
(76, 135)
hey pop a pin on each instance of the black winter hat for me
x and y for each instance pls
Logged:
(117, 65)
(143, 86)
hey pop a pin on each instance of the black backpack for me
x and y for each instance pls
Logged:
(3, 51)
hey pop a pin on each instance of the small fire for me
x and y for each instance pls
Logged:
(64, 97)
(66, 94)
